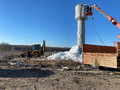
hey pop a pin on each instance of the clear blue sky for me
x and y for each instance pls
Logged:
(28, 22)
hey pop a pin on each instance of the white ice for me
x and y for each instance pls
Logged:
(73, 54)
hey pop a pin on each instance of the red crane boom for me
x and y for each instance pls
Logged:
(111, 19)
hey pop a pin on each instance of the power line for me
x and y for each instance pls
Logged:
(97, 31)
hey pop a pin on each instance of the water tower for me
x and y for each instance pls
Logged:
(80, 16)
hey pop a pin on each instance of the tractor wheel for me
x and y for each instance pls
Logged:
(35, 54)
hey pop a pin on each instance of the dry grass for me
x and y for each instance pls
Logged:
(67, 63)
(57, 64)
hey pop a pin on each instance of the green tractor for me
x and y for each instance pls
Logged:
(36, 50)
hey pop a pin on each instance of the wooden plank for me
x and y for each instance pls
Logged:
(100, 53)
(100, 60)
(98, 49)
(118, 48)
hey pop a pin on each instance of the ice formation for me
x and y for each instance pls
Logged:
(73, 54)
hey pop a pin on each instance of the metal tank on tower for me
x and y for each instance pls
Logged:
(80, 16)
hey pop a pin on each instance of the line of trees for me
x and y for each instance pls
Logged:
(7, 47)
(4, 47)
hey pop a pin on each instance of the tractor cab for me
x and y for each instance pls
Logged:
(35, 47)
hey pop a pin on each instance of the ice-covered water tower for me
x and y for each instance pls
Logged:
(80, 16)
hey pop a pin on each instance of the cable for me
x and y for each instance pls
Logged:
(97, 31)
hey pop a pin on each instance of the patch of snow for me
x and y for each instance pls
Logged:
(11, 63)
(60, 69)
(65, 68)
(41, 59)
(73, 53)
(16, 59)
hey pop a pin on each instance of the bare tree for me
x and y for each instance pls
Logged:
(4, 46)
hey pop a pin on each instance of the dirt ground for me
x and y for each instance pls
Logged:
(42, 74)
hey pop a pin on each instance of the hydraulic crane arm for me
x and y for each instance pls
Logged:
(112, 20)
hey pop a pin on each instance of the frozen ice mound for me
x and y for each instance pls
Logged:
(73, 54)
